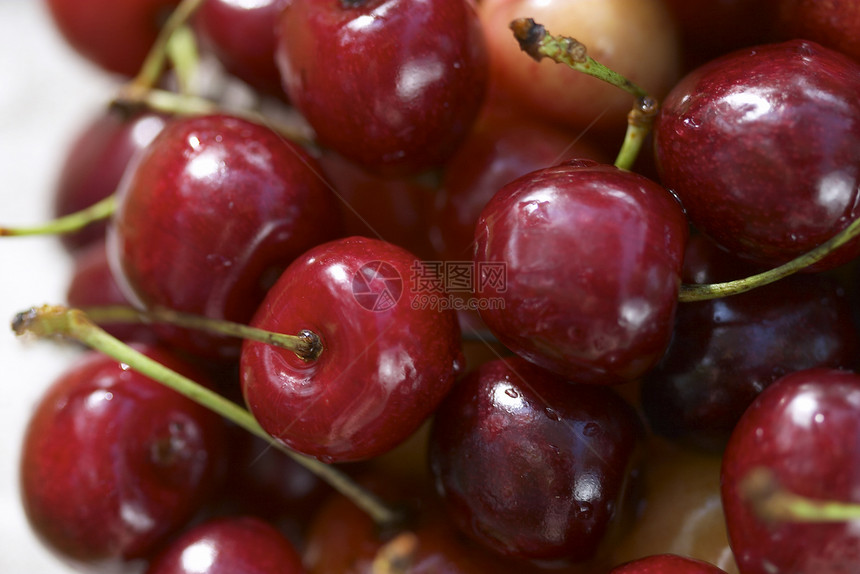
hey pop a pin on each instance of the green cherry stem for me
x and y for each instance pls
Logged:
(690, 293)
(773, 503)
(58, 321)
(538, 43)
(153, 65)
(307, 344)
(68, 223)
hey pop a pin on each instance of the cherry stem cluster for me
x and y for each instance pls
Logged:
(774, 503)
(538, 43)
(62, 322)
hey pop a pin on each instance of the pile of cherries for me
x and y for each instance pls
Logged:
(512, 351)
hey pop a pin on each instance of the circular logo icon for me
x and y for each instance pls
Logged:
(377, 286)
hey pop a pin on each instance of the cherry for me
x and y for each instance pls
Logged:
(710, 29)
(93, 285)
(114, 35)
(113, 463)
(762, 146)
(242, 37)
(500, 148)
(607, 314)
(725, 351)
(666, 564)
(636, 38)
(833, 24)
(534, 466)
(267, 484)
(394, 209)
(343, 539)
(804, 429)
(95, 163)
(242, 544)
(212, 213)
(385, 364)
(406, 77)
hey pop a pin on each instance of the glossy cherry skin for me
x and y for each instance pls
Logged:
(234, 545)
(727, 350)
(93, 285)
(763, 148)
(592, 256)
(114, 463)
(242, 37)
(385, 365)
(499, 149)
(95, 162)
(211, 214)
(407, 77)
(114, 35)
(804, 428)
(666, 564)
(532, 465)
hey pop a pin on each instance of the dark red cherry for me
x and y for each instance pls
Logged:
(499, 149)
(238, 545)
(114, 463)
(212, 213)
(534, 466)
(763, 148)
(666, 564)
(710, 29)
(115, 35)
(393, 85)
(582, 263)
(95, 162)
(386, 363)
(343, 539)
(241, 34)
(805, 429)
(725, 351)
(394, 209)
(93, 285)
(833, 23)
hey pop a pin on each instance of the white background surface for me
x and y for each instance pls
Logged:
(47, 93)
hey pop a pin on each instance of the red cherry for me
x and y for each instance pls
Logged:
(805, 429)
(666, 564)
(242, 37)
(391, 85)
(534, 466)
(386, 363)
(763, 148)
(240, 545)
(343, 538)
(114, 463)
(93, 285)
(726, 350)
(115, 35)
(499, 149)
(214, 210)
(95, 163)
(591, 257)
(833, 23)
